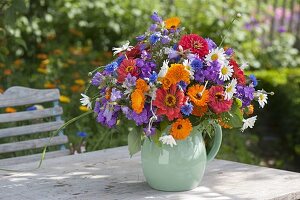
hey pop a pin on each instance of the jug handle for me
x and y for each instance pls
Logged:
(216, 143)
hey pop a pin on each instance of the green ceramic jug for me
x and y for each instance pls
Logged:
(180, 167)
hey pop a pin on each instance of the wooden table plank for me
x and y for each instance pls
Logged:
(111, 174)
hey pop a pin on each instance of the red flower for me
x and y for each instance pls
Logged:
(169, 102)
(237, 72)
(217, 103)
(195, 44)
(134, 52)
(127, 67)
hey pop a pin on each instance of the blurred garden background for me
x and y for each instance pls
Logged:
(54, 44)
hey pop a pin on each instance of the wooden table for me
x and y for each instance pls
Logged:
(111, 174)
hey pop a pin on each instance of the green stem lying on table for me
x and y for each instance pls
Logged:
(49, 142)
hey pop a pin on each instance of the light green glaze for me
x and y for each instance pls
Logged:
(180, 167)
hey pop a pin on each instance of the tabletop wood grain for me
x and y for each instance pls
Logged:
(111, 175)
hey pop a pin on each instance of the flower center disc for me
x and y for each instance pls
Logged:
(224, 70)
(170, 100)
(214, 57)
(219, 96)
(179, 126)
(197, 45)
(129, 68)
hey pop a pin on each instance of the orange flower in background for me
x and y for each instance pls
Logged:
(142, 85)
(10, 110)
(166, 83)
(80, 82)
(45, 62)
(77, 88)
(7, 72)
(64, 99)
(49, 85)
(198, 95)
(172, 23)
(199, 111)
(75, 32)
(18, 62)
(57, 52)
(137, 101)
(42, 56)
(177, 73)
(51, 36)
(2, 65)
(224, 124)
(71, 62)
(181, 129)
(1, 90)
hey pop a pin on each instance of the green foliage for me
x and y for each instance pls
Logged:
(134, 140)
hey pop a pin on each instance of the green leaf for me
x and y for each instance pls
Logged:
(156, 137)
(163, 125)
(234, 117)
(21, 42)
(134, 141)
(19, 5)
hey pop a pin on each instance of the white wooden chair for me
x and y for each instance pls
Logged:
(21, 96)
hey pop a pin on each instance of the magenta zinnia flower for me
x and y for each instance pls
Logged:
(217, 103)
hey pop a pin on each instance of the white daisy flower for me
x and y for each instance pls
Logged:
(124, 47)
(216, 54)
(168, 139)
(230, 89)
(188, 67)
(262, 98)
(85, 101)
(225, 72)
(248, 123)
(164, 69)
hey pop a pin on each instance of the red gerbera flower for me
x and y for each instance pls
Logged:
(237, 72)
(217, 103)
(126, 67)
(195, 44)
(169, 102)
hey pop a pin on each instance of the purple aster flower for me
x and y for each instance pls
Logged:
(139, 62)
(153, 77)
(110, 68)
(165, 39)
(142, 117)
(156, 18)
(115, 94)
(150, 132)
(153, 27)
(172, 53)
(145, 55)
(140, 38)
(187, 109)
(127, 112)
(142, 46)
(147, 68)
(229, 51)
(253, 80)
(165, 32)
(154, 38)
(245, 94)
(129, 81)
(197, 64)
(211, 43)
(97, 79)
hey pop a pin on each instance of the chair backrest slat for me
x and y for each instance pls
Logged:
(17, 96)
(30, 129)
(32, 144)
(29, 115)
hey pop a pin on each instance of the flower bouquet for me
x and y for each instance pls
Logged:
(174, 87)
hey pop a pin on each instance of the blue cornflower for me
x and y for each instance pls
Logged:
(182, 85)
(253, 79)
(154, 38)
(120, 59)
(82, 134)
(153, 77)
(187, 109)
(141, 38)
(197, 64)
(110, 68)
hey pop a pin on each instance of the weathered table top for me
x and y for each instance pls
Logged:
(111, 174)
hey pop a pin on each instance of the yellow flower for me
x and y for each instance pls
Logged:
(83, 108)
(45, 62)
(10, 110)
(64, 99)
(42, 70)
(80, 82)
(172, 23)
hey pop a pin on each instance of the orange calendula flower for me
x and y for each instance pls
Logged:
(42, 56)
(177, 73)
(223, 123)
(137, 101)
(10, 110)
(166, 83)
(49, 85)
(64, 99)
(172, 23)
(142, 85)
(181, 129)
(199, 111)
(198, 95)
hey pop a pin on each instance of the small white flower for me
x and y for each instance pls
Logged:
(187, 64)
(164, 69)
(124, 47)
(216, 54)
(230, 89)
(238, 15)
(85, 101)
(262, 98)
(225, 72)
(168, 139)
(248, 123)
